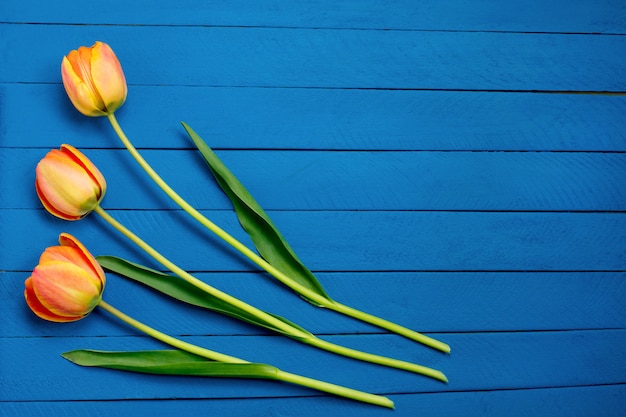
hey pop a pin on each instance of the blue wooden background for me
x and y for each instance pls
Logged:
(457, 167)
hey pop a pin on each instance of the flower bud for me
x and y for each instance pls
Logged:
(68, 184)
(94, 80)
(67, 283)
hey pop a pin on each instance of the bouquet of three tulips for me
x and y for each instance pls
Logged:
(68, 282)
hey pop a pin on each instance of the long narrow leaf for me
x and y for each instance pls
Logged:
(184, 291)
(274, 248)
(264, 234)
(168, 362)
(176, 362)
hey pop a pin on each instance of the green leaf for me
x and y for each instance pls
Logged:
(169, 362)
(264, 234)
(182, 290)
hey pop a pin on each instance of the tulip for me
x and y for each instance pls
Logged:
(95, 83)
(67, 283)
(68, 184)
(94, 80)
(70, 187)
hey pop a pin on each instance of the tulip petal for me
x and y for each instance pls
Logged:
(79, 91)
(65, 289)
(72, 59)
(39, 309)
(107, 76)
(79, 158)
(64, 185)
(72, 256)
(68, 240)
(50, 208)
(83, 65)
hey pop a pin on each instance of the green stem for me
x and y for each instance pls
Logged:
(195, 281)
(380, 360)
(289, 330)
(259, 261)
(216, 356)
(172, 341)
(385, 324)
(335, 389)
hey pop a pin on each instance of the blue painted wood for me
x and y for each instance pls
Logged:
(223, 56)
(430, 302)
(554, 401)
(368, 130)
(300, 180)
(324, 119)
(602, 16)
(350, 241)
(567, 359)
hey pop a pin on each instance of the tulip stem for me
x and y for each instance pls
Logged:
(291, 331)
(335, 389)
(219, 357)
(172, 341)
(195, 281)
(259, 261)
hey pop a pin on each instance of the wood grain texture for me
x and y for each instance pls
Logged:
(603, 16)
(577, 401)
(303, 180)
(432, 302)
(350, 241)
(323, 119)
(568, 359)
(267, 57)
(456, 167)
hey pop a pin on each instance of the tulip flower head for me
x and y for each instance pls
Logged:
(94, 80)
(68, 184)
(67, 283)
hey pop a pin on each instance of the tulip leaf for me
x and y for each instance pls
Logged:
(168, 362)
(182, 290)
(264, 234)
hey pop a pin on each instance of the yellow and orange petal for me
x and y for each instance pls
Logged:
(35, 305)
(66, 186)
(80, 159)
(94, 80)
(72, 256)
(108, 77)
(65, 239)
(80, 93)
(64, 289)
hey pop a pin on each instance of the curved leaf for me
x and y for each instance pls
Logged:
(169, 362)
(186, 292)
(264, 234)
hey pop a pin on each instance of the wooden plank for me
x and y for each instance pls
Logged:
(348, 241)
(547, 337)
(488, 15)
(486, 361)
(557, 402)
(337, 119)
(427, 302)
(220, 56)
(301, 180)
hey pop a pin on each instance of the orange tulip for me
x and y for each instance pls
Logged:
(68, 184)
(67, 283)
(94, 80)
